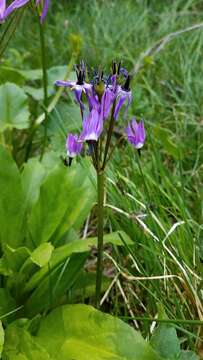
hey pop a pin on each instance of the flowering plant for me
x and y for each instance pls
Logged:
(100, 101)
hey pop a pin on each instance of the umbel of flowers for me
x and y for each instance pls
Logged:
(101, 100)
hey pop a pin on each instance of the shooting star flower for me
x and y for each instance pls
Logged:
(136, 133)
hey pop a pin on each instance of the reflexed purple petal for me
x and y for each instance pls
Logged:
(73, 146)
(2, 9)
(65, 83)
(87, 86)
(129, 99)
(92, 126)
(106, 102)
(129, 130)
(93, 100)
(121, 98)
(44, 11)
(134, 127)
(114, 82)
(141, 130)
(15, 5)
(136, 133)
(119, 105)
(78, 94)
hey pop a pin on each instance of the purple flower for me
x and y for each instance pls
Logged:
(136, 133)
(77, 88)
(5, 12)
(123, 94)
(73, 145)
(2, 9)
(44, 9)
(103, 107)
(107, 100)
(92, 126)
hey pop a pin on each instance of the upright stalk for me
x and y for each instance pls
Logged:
(100, 231)
(45, 83)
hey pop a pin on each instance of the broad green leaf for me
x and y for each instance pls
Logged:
(20, 345)
(23, 264)
(4, 267)
(14, 107)
(66, 198)
(15, 258)
(42, 255)
(9, 74)
(76, 332)
(61, 253)
(165, 341)
(82, 196)
(32, 177)
(31, 75)
(37, 94)
(1, 338)
(55, 285)
(81, 332)
(7, 304)
(49, 210)
(66, 118)
(84, 286)
(188, 355)
(11, 201)
(50, 160)
(57, 73)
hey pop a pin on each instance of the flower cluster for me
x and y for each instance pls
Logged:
(101, 101)
(6, 11)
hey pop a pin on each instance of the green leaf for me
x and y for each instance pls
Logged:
(31, 75)
(82, 196)
(66, 118)
(20, 345)
(1, 338)
(84, 286)
(32, 177)
(66, 198)
(76, 332)
(7, 304)
(56, 73)
(37, 94)
(188, 355)
(165, 341)
(80, 332)
(11, 201)
(49, 210)
(42, 255)
(55, 285)
(15, 258)
(62, 253)
(4, 267)
(9, 74)
(14, 107)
